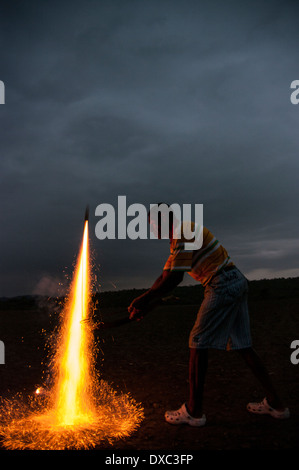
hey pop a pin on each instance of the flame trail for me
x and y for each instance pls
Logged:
(79, 411)
(73, 402)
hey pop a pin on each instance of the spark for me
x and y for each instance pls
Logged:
(80, 410)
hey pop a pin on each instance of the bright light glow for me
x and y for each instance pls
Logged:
(73, 396)
(80, 410)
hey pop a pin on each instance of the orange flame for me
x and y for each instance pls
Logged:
(78, 412)
(73, 397)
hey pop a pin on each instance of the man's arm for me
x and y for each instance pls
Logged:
(163, 285)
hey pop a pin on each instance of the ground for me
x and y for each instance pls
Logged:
(149, 360)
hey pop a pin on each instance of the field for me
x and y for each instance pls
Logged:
(149, 359)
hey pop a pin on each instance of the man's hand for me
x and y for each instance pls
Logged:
(137, 309)
(135, 314)
(151, 298)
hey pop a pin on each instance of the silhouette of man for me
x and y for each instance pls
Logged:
(222, 321)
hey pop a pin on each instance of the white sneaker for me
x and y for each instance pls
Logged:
(264, 408)
(181, 416)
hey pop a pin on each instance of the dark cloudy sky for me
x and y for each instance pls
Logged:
(180, 101)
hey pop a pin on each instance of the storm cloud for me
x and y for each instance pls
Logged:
(185, 102)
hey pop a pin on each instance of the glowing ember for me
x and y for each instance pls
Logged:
(79, 411)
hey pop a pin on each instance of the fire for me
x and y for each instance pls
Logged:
(73, 403)
(80, 410)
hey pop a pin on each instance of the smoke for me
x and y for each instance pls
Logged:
(50, 286)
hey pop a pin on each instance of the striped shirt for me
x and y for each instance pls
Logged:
(201, 264)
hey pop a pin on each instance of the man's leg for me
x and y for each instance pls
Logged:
(198, 364)
(259, 370)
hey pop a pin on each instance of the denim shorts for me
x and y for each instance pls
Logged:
(223, 321)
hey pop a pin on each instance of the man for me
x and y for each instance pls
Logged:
(222, 321)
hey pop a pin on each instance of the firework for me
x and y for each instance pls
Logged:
(79, 410)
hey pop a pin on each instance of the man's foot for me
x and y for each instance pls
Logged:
(264, 408)
(181, 416)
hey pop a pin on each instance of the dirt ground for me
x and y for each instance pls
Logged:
(149, 359)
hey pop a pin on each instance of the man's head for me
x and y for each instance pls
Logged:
(162, 220)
